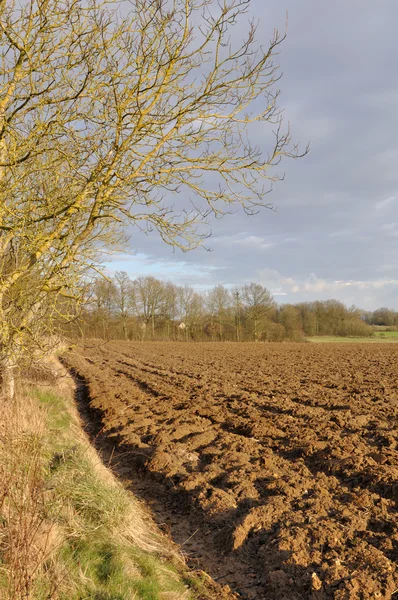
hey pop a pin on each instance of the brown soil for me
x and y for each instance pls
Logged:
(275, 466)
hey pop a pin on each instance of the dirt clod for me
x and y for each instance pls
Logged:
(275, 466)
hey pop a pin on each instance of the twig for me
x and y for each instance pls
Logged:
(191, 536)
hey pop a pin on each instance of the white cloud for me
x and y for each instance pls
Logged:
(385, 203)
(180, 272)
(366, 294)
(254, 241)
(342, 233)
(314, 285)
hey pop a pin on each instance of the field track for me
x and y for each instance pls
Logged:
(285, 454)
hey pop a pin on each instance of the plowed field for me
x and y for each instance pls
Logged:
(286, 453)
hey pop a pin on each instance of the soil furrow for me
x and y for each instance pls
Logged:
(283, 457)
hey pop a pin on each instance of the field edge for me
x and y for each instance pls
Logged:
(69, 528)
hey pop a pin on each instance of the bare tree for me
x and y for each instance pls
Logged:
(123, 298)
(190, 309)
(258, 302)
(171, 307)
(186, 296)
(108, 111)
(217, 303)
(289, 316)
(149, 298)
(237, 303)
(101, 302)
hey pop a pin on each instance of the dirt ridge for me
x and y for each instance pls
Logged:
(275, 465)
(174, 519)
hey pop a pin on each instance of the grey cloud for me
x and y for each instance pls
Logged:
(337, 210)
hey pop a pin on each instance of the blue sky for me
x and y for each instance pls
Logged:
(334, 233)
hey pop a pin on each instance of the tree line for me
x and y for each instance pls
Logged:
(147, 308)
(382, 317)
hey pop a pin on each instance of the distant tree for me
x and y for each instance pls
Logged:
(195, 316)
(330, 315)
(149, 298)
(383, 316)
(186, 295)
(123, 298)
(308, 318)
(273, 332)
(353, 326)
(289, 316)
(101, 304)
(218, 301)
(355, 311)
(191, 308)
(237, 304)
(171, 308)
(367, 316)
(258, 302)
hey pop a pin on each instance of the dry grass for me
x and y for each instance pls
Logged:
(25, 535)
(68, 529)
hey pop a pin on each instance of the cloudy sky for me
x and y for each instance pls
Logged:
(334, 233)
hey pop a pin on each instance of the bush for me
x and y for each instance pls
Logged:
(354, 328)
(274, 332)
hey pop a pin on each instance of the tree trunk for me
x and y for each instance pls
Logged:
(8, 379)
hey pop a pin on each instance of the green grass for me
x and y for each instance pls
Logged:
(390, 335)
(102, 547)
(98, 556)
(378, 338)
